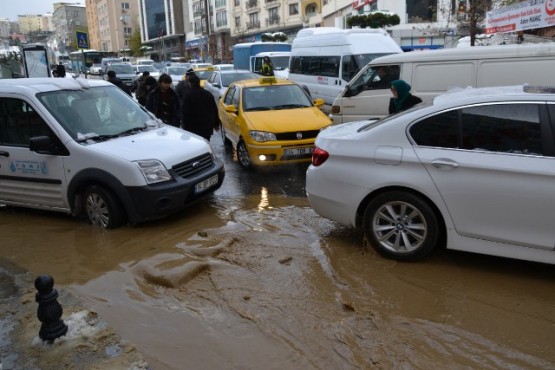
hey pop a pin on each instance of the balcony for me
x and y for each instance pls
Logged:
(251, 25)
(252, 4)
(274, 20)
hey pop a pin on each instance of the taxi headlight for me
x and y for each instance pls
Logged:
(154, 171)
(262, 136)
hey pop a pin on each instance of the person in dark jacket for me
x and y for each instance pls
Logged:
(199, 110)
(60, 70)
(140, 89)
(119, 83)
(402, 98)
(163, 102)
(183, 87)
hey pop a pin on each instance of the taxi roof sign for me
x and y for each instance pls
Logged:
(267, 80)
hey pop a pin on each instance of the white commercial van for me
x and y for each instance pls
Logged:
(324, 59)
(85, 147)
(431, 73)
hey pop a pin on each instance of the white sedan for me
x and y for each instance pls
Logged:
(474, 170)
(219, 81)
(176, 73)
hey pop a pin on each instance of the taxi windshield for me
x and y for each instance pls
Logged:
(97, 113)
(273, 97)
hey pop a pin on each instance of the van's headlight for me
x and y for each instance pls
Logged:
(262, 136)
(153, 171)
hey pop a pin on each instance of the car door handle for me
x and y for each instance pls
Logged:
(439, 163)
(4, 154)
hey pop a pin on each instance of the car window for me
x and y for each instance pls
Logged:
(506, 128)
(236, 97)
(19, 122)
(375, 78)
(229, 96)
(228, 78)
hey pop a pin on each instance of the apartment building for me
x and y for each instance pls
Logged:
(5, 27)
(116, 21)
(93, 25)
(67, 19)
(30, 23)
(162, 27)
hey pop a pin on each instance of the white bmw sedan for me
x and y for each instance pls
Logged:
(473, 170)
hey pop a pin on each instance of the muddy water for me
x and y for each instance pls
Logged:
(256, 280)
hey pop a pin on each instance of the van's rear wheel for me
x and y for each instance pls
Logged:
(102, 208)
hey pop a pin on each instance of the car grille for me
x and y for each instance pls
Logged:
(194, 166)
(293, 135)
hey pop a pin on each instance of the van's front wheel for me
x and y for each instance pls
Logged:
(102, 208)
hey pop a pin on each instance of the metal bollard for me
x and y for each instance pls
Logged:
(49, 311)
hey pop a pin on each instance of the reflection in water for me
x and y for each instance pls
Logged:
(264, 203)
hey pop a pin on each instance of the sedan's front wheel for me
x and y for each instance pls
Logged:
(243, 155)
(401, 226)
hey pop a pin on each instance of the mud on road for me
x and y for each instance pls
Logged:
(254, 279)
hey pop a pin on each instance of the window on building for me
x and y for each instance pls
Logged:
(293, 9)
(221, 19)
(419, 11)
(125, 5)
(237, 22)
(273, 15)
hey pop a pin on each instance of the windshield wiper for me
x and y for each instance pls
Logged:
(130, 131)
(287, 106)
(97, 137)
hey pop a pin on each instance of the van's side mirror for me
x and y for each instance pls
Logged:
(42, 145)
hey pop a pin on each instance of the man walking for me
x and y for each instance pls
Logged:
(163, 102)
(140, 89)
(119, 83)
(199, 110)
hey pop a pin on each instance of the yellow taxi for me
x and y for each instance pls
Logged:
(270, 121)
(203, 73)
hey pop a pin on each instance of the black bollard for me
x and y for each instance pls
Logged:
(49, 311)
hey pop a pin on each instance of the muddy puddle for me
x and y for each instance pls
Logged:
(260, 281)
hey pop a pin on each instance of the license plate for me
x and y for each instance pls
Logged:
(203, 185)
(299, 151)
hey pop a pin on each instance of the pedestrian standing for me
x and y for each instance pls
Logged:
(199, 110)
(119, 83)
(183, 87)
(163, 102)
(140, 88)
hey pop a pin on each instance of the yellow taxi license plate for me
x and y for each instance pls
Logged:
(205, 184)
(299, 151)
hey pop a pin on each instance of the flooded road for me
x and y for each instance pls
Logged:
(252, 278)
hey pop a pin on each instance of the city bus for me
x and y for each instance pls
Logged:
(83, 60)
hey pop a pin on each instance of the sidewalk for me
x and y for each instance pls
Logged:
(89, 343)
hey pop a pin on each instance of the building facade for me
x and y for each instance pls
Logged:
(116, 20)
(93, 24)
(67, 20)
(30, 23)
(5, 28)
(162, 27)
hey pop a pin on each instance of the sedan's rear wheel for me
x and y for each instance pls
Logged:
(401, 226)
(243, 155)
(102, 208)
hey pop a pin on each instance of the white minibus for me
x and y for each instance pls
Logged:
(433, 72)
(324, 59)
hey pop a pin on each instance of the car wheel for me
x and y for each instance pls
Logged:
(401, 226)
(102, 208)
(243, 155)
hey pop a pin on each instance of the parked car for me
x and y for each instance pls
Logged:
(270, 121)
(84, 147)
(472, 170)
(223, 67)
(124, 71)
(139, 69)
(219, 81)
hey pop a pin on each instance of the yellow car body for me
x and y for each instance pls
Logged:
(270, 121)
(203, 73)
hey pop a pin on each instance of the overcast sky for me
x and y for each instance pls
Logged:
(12, 8)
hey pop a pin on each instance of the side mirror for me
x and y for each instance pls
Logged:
(41, 145)
(319, 102)
(230, 109)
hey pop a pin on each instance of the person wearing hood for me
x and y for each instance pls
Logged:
(402, 98)
(163, 102)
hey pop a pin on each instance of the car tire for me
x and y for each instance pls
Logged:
(102, 208)
(401, 226)
(243, 155)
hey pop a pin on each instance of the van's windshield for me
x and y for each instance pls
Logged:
(97, 113)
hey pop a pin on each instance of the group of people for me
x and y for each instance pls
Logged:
(190, 106)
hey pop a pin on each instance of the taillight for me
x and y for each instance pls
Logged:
(319, 156)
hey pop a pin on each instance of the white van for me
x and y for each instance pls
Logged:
(324, 59)
(431, 73)
(84, 147)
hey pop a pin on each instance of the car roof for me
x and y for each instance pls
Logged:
(32, 86)
(257, 82)
(471, 95)
(229, 71)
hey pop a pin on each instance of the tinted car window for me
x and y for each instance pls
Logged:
(229, 97)
(440, 130)
(507, 128)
